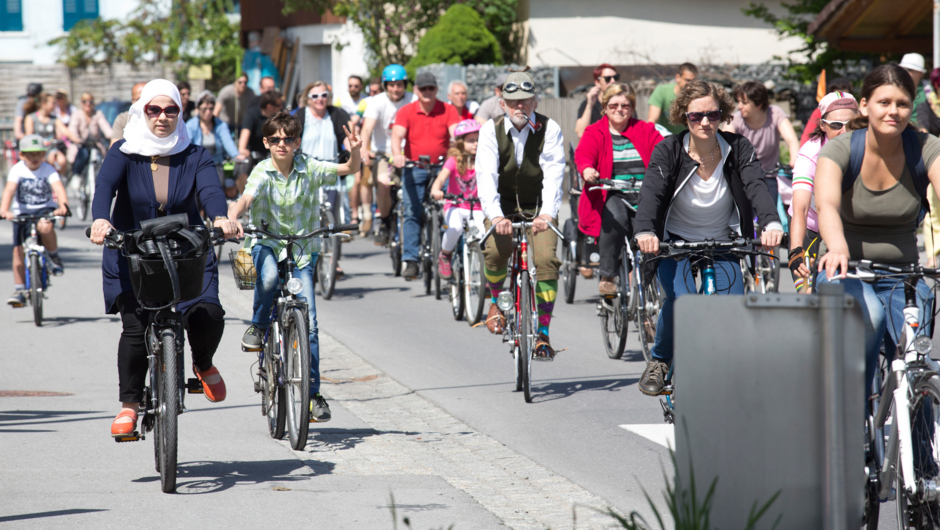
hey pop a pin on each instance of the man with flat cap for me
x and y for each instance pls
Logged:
(520, 163)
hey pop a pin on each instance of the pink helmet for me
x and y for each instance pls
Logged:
(466, 127)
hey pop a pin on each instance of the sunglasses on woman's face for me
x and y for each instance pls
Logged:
(513, 87)
(154, 111)
(609, 78)
(695, 117)
(615, 106)
(834, 125)
(318, 95)
(274, 140)
(88, 102)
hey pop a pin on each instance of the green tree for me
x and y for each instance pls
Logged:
(459, 37)
(189, 32)
(814, 55)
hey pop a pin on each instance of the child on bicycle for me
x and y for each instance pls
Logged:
(31, 184)
(460, 175)
(283, 190)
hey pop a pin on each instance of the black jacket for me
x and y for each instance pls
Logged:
(670, 168)
(339, 117)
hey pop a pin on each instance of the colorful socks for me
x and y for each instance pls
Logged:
(545, 293)
(494, 280)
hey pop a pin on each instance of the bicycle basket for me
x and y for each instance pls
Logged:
(150, 278)
(244, 269)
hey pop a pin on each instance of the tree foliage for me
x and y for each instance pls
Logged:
(392, 28)
(459, 37)
(814, 55)
(189, 32)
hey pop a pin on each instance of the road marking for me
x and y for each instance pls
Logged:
(662, 433)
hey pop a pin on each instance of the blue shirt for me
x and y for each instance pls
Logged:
(223, 137)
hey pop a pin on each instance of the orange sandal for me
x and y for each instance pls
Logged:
(124, 428)
(214, 392)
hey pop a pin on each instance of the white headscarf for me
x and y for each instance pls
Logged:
(140, 140)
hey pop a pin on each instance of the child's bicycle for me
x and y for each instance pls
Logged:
(37, 262)
(467, 286)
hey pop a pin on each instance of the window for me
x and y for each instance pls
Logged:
(11, 15)
(75, 10)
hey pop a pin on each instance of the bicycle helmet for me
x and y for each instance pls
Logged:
(467, 127)
(394, 72)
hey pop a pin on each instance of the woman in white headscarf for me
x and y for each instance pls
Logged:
(154, 172)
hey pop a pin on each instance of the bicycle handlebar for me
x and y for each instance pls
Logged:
(454, 197)
(24, 218)
(678, 249)
(623, 186)
(255, 231)
(115, 238)
(870, 269)
(521, 225)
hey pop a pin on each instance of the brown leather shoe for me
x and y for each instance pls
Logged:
(495, 321)
(607, 287)
(543, 349)
(587, 273)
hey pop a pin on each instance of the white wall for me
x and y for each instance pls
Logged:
(340, 63)
(565, 33)
(42, 22)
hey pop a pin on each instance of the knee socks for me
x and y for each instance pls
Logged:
(494, 280)
(545, 293)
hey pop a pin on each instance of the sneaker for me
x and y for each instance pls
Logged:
(17, 299)
(319, 409)
(381, 237)
(443, 265)
(411, 271)
(543, 349)
(587, 272)
(253, 339)
(653, 379)
(57, 268)
(607, 287)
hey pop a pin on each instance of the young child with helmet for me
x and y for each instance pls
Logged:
(460, 175)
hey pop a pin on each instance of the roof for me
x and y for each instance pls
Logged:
(876, 26)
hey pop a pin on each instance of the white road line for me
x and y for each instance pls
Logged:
(662, 433)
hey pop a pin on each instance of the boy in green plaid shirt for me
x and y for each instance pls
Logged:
(284, 191)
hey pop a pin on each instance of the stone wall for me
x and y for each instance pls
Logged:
(481, 78)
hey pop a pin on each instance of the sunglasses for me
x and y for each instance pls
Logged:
(154, 111)
(88, 101)
(695, 117)
(427, 88)
(615, 106)
(609, 78)
(318, 95)
(274, 140)
(515, 87)
(834, 125)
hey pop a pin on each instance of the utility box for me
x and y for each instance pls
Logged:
(753, 382)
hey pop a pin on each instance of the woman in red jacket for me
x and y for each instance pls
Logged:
(618, 146)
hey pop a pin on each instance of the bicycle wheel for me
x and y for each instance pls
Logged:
(396, 240)
(168, 411)
(83, 199)
(767, 274)
(569, 261)
(648, 306)
(428, 263)
(297, 358)
(916, 511)
(455, 288)
(526, 344)
(273, 398)
(474, 284)
(326, 262)
(35, 288)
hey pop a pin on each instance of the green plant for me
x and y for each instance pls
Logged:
(459, 37)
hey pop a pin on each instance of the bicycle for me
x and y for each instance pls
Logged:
(331, 247)
(518, 302)
(701, 256)
(37, 262)
(899, 468)
(167, 264)
(430, 222)
(762, 273)
(86, 182)
(467, 286)
(283, 376)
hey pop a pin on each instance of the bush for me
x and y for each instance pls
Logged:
(459, 37)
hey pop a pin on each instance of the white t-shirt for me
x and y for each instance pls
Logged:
(383, 111)
(34, 188)
(347, 103)
(703, 209)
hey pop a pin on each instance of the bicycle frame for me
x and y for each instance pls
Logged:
(33, 248)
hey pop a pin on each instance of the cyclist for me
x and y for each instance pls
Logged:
(618, 146)
(251, 148)
(457, 97)
(460, 175)
(839, 84)
(32, 91)
(662, 97)
(31, 184)
(876, 216)
(426, 127)
(836, 110)
(378, 119)
(156, 170)
(44, 123)
(120, 121)
(63, 108)
(490, 108)
(87, 124)
(233, 101)
(350, 102)
(282, 190)
(700, 184)
(211, 133)
(520, 169)
(591, 110)
(188, 105)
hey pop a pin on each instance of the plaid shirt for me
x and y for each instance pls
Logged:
(291, 205)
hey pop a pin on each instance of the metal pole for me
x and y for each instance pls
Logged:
(831, 316)
(936, 33)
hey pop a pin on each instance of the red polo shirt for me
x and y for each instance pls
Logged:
(465, 114)
(428, 134)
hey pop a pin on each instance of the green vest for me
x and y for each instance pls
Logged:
(523, 182)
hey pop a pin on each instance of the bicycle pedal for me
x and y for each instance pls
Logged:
(251, 349)
(133, 437)
(194, 386)
(667, 391)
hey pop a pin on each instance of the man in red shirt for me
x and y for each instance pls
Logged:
(457, 95)
(426, 126)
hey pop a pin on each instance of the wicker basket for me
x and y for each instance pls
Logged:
(244, 269)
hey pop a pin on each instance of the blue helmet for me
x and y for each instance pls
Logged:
(394, 72)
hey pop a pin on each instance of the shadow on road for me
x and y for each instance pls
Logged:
(64, 321)
(559, 390)
(357, 293)
(11, 418)
(334, 440)
(196, 478)
(40, 515)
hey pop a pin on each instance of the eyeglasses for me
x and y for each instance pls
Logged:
(88, 101)
(318, 95)
(514, 87)
(834, 125)
(695, 117)
(427, 88)
(609, 78)
(615, 106)
(274, 140)
(154, 111)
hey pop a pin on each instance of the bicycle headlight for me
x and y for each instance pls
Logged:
(923, 345)
(294, 285)
(504, 301)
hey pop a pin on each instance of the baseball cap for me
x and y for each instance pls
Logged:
(518, 85)
(913, 61)
(837, 100)
(425, 79)
(33, 89)
(32, 143)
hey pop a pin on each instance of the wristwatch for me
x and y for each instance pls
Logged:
(219, 218)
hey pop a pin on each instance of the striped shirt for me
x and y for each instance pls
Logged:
(627, 162)
(291, 205)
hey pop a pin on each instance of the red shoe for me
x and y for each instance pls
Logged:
(124, 428)
(212, 384)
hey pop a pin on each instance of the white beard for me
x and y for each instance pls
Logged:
(519, 120)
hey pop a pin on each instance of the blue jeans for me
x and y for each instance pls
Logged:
(265, 288)
(676, 280)
(881, 324)
(414, 184)
(81, 161)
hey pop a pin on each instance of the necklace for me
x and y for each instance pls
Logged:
(153, 162)
(701, 158)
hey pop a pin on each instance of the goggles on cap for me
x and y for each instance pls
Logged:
(525, 86)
